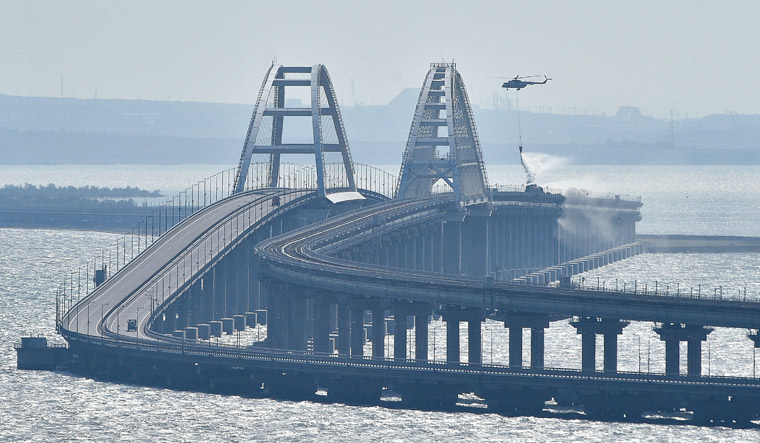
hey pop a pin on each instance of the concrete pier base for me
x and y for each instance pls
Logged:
(216, 328)
(589, 327)
(672, 334)
(239, 322)
(228, 325)
(204, 331)
(516, 322)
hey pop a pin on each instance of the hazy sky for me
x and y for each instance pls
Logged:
(697, 57)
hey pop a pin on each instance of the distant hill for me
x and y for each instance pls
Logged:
(54, 131)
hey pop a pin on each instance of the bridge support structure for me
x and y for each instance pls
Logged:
(443, 143)
(588, 328)
(516, 322)
(673, 334)
(474, 318)
(265, 132)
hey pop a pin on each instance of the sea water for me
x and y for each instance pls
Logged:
(47, 406)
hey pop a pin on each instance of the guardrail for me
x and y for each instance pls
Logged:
(209, 349)
(81, 282)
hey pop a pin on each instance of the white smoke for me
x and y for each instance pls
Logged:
(538, 166)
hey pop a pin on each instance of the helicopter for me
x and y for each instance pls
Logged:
(519, 82)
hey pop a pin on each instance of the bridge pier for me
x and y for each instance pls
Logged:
(452, 316)
(230, 285)
(169, 324)
(357, 331)
(421, 313)
(242, 261)
(297, 333)
(254, 286)
(673, 334)
(452, 247)
(436, 247)
(321, 325)
(280, 305)
(344, 328)
(475, 234)
(516, 322)
(399, 334)
(589, 327)
(183, 313)
(196, 302)
(394, 248)
(207, 293)
(378, 332)
(217, 290)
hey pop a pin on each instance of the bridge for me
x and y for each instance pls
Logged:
(335, 261)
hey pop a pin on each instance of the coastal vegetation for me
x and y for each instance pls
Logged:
(70, 198)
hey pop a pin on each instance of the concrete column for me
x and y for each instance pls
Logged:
(242, 278)
(196, 303)
(494, 244)
(230, 286)
(218, 291)
(672, 356)
(474, 342)
(672, 334)
(384, 251)
(452, 249)
(452, 340)
(537, 348)
(428, 240)
(169, 323)
(403, 255)
(516, 322)
(344, 329)
(589, 327)
(694, 357)
(399, 335)
(436, 248)
(393, 247)
(280, 328)
(254, 287)
(357, 332)
(421, 337)
(475, 237)
(208, 297)
(378, 333)
(321, 325)
(610, 352)
(588, 351)
(298, 320)
(515, 346)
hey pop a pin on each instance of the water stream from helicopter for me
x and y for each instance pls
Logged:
(529, 175)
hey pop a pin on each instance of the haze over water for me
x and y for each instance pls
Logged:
(37, 405)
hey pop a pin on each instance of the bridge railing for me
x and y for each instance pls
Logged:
(645, 288)
(299, 176)
(210, 349)
(101, 267)
(665, 290)
(81, 282)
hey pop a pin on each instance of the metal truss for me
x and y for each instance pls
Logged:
(265, 132)
(443, 142)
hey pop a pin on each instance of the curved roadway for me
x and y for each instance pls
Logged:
(154, 275)
(304, 257)
(301, 256)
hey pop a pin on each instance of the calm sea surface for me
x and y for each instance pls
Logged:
(44, 406)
